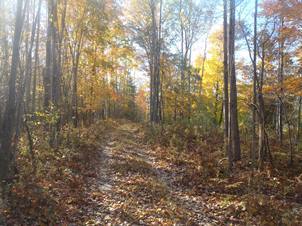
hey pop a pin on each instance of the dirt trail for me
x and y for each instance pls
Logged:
(134, 187)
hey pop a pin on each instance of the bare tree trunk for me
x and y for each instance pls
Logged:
(162, 98)
(235, 137)
(159, 47)
(253, 151)
(31, 145)
(55, 54)
(155, 112)
(52, 80)
(48, 70)
(182, 62)
(23, 76)
(4, 58)
(291, 146)
(28, 68)
(34, 89)
(205, 53)
(280, 80)
(261, 126)
(7, 132)
(226, 84)
(189, 88)
(175, 107)
(298, 137)
(261, 142)
(216, 119)
(75, 69)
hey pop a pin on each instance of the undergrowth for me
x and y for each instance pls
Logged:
(272, 196)
(51, 182)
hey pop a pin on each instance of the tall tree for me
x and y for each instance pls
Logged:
(37, 45)
(254, 61)
(8, 127)
(48, 67)
(155, 61)
(234, 128)
(75, 47)
(227, 148)
(280, 81)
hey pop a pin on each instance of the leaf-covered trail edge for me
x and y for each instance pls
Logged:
(135, 186)
(142, 184)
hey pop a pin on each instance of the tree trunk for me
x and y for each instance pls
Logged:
(55, 54)
(226, 84)
(235, 138)
(48, 70)
(280, 81)
(75, 69)
(189, 88)
(206, 47)
(261, 125)
(7, 133)
(34, 88)
(253, 151)
(298, 137)
(155, 111)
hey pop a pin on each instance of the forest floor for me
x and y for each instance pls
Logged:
(115, 176)
(142, 184)
(135, 186)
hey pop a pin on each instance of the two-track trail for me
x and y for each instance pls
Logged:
(134, 186)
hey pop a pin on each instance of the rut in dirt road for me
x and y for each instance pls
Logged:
(135, 188)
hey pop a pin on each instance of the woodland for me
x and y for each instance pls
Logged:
(150, 112)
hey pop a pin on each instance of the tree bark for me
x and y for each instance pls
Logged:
(226, 84)
(280, 81)
(235, 137)
(34, 88)
(155, 111)
(254, 135)
(7, 133)
(75, 68)
(48, 70)
(298, 137)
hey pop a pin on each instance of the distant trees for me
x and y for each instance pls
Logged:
(70, 62)
(272, 67)
(190, 20)
(173, 27)
(147, 33)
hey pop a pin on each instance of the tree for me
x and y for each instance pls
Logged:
(227, 147)
(35, 71)
(75, 46)
(155, 106)
(254, 61)
(8, 126)
(147, 33)
(233, 124)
